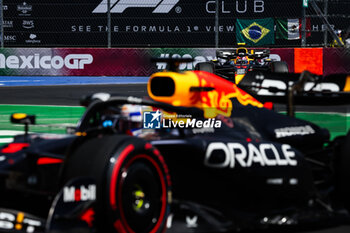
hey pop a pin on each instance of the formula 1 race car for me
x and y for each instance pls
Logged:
(201, 156)
(233, 64)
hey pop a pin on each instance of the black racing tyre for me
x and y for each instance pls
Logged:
(133, 183)
(205, 66)
(279, 67)
(342, 169)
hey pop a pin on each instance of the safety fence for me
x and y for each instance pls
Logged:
(136, 62)
(169, 23)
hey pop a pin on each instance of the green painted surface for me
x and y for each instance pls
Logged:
(338, 124)
(55, 116)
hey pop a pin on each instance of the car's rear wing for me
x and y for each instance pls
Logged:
(226, 54)
(261, 53)
(298, 88)
(251, 53)
(269, 83)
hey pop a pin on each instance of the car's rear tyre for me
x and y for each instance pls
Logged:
(342, 169)
(205, 66)
(279, 67)
(133, 184)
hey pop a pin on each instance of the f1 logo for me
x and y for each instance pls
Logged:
(119, 6)
(151, 120)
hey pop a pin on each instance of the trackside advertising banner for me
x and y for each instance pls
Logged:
(136, 62)
(74, 62)
(141, 23)
(159, 23)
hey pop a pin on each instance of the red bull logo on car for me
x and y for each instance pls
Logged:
(212, 94)
(218, 101)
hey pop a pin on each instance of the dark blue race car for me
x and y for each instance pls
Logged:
(202, 156)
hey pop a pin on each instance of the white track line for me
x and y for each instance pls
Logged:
(6, 140)
(10, 132)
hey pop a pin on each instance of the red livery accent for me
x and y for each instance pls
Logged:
(77, 195)
(268, 105)
(44, 161)
(14, 147)
(156, 152)
(88, 216)
(148, 146)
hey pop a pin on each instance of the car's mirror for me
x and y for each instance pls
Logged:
(22, 118)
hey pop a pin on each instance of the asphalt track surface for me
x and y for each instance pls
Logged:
(70, 96)
(64, 95)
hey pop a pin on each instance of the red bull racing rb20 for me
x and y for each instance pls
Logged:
(201, 156)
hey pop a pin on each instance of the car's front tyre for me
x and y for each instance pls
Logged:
(133, 182)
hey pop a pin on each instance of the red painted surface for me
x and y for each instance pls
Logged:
(14, 147)
(45, 161)
(310, 59)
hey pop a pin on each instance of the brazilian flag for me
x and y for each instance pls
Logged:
(255, 32)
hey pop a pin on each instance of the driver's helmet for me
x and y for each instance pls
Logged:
(131, 119)
(241, 60)
(242, 57)
(110, 117)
